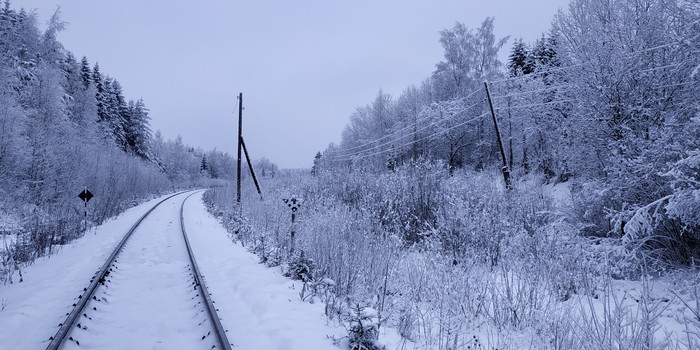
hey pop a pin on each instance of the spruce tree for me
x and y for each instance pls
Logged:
(204, 167)
(119, 116)
(99, 93)
(315, 169)
(519, 61)
(138, 134)
(85, 73)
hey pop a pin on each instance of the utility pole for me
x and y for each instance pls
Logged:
(240, 138)
(506, 172)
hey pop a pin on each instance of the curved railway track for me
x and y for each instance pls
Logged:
(82, 308)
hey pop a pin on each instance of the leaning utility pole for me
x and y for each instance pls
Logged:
(240, 137)
(506, 172)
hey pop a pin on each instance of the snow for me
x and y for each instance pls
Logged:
(34, 308)
(149, 295)
(259, 308)
(560, 193)
(9, 225)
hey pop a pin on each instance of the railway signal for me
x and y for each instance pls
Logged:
(294, 204)
(85, 196)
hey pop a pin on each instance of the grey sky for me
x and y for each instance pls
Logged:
(302, 66)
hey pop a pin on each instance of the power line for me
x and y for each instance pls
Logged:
(343, 158)
(459, 100)
(549, 88)
(366, 149)
(536, 104)
(435, 123)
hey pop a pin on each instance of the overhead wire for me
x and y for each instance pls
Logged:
(367, 150)
(549, 88)
(410, 125)
(413, 141)
(435, 123)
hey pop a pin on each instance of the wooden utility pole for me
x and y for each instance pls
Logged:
(506, 172)
(240, 138)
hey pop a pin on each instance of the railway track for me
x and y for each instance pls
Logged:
(149, 293)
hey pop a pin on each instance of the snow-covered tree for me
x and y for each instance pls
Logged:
(138, 131)
(266, 167)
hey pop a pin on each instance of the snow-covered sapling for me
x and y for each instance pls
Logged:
(301, 268)
(363, 327)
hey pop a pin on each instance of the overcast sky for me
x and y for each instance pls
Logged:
(302, 66)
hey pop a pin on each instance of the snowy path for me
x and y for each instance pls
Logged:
(259, 308)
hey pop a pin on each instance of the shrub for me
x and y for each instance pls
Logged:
(363, 327)
(301, 268)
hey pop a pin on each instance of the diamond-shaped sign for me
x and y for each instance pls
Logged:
(293, 203)
(85, 195)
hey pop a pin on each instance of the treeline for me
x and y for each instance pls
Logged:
(66, 125)
(608, 99)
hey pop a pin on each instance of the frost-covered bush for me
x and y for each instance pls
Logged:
(219, 202)
(405, 201)
(492, 259)
(347, 252)
(301, 268)
(471, 220)
(591, 199)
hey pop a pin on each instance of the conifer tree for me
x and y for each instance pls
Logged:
(100, 95)
(85, 73)
(519, 61)
(317, 164)
(138, 130)
(119, 117)
(204, 167)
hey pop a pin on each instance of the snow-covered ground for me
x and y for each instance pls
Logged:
(149, 301)
(34, 308)
(259, 307)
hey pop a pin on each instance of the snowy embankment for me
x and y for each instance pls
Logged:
(259, 308)
(32, 310)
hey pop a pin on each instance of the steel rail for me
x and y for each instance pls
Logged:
(73, 316)
(211, 309)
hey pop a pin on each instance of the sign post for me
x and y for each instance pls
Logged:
(293, 204)
(85, 196)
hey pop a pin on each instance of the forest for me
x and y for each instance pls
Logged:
(66, 126)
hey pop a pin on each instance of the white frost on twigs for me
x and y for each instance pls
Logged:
(695, 72)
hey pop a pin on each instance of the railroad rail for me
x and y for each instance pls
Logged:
(211, 309)
(100, 276)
